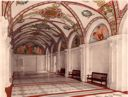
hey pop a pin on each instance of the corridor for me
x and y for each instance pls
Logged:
(75, 38)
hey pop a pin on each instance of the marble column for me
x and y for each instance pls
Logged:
(58, 60)
(54, 62)
(2, 69)
(82, 57)
(48, 60)
(8, 62)
(68, 62)
(51, 62)
(11, 63)
(84, 48)
(118, 65)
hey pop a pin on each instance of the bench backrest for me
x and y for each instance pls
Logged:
(62, 70)
(76, 72)
(98, 75)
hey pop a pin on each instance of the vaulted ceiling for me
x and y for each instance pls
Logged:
(45, 23)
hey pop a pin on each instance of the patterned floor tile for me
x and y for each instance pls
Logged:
(26, 85)
(115, 94)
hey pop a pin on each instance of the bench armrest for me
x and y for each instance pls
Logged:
(70, 73)
(89, 76)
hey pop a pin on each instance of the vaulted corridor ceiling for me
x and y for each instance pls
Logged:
(47, 23)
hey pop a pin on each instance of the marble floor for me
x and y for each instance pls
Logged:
(53, 85)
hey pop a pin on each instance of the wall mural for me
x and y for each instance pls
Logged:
(29, 48)
(76, 42)
(63, 46)
(99, 33)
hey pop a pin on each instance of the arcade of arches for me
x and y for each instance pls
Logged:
(42, 37)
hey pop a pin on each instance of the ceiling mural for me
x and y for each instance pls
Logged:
(48, 19)
(44, 23)
(99, 33)
(21, 2)
(108, 11)
(100, 3)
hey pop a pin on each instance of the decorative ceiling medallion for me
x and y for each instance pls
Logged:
(67, 27)
(51, 12)
(87, 13)
(21, 2)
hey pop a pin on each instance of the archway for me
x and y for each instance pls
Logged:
(63, 58)
(98, 46)
(75, 54)
(47, 59)
(93, 26)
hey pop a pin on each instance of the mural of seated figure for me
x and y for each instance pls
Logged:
(100, 33)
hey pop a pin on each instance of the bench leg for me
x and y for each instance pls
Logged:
(106, 84)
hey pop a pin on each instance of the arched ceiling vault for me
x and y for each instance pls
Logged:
(48, 22)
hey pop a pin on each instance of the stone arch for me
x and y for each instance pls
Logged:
(63, 45)
(71, 37)
(55, 48)
(93, 26)
(52, 47)
(59, 45)
(47, 51)
(76, 41)
(123, 24)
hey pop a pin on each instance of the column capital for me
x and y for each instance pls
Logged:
(82, 45)
(67, 50)
(114, 40)
(58, 52)
(117, 37)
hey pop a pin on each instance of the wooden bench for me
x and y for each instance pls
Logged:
(75, 74)
(62, 71)
(98, 77)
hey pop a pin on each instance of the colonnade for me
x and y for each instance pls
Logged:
(118, 63)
